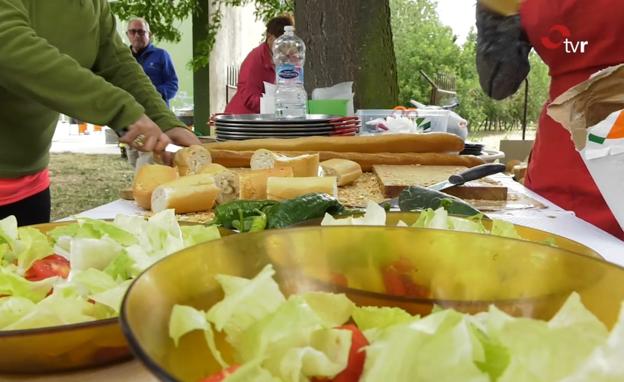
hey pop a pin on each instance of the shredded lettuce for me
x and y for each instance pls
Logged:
(104, 258)
(246, 301)
(300, 339)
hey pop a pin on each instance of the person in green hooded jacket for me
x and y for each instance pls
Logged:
(65, 56)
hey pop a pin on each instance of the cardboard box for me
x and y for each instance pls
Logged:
(593, 112)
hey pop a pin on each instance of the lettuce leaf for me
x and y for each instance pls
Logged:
(196, 234)
(605, 363)
(440, 347)
(321, 353)
(12, 284)
(372, 317)
(34, 245)
(55, 310)
(13, 309)
(546, 351)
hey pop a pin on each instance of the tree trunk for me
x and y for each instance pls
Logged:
(201, 77)
(350, 40)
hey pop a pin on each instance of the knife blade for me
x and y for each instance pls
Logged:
(473, 173)
(172, 148)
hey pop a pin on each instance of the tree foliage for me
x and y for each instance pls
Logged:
(422, 42)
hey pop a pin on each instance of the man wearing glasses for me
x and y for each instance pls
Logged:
(159, 68)
(156, 62)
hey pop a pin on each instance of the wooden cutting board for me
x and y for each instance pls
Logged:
(394, 178)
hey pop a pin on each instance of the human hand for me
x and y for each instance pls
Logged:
(182, 136)
(145, 135)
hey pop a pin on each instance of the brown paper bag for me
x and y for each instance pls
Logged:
(589, 102)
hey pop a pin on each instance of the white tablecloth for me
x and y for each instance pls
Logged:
(551, 219)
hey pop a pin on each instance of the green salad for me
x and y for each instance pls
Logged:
(320, 336)
(80, 271)
(439, 218)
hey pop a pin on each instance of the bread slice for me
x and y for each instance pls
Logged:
(211, 168)
(303, 165)
(228, 183)
(253, 184)
(288, 188)
(147, 179)
(191, 193)
(190, 160)
(346, 171)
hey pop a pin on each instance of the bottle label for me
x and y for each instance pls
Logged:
(289, 74)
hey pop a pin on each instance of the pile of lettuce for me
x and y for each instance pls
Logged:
(375, 215)
(297, 339)
(104, 258)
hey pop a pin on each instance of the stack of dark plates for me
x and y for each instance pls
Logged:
(472, 149)
(253, 126)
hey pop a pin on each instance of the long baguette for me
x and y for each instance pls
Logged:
(391, 143)
(230, 158)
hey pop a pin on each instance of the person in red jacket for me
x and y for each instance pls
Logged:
(257, 68)
(575, 38)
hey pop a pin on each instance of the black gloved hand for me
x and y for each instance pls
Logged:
(502, 53)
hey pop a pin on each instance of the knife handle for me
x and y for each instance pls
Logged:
(476, 172)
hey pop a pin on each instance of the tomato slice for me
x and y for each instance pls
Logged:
(393, 281)
(49, 266)
(339, 279)
(398, 282)
(355, 365)
(220, 376)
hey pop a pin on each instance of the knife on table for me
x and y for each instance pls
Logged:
(468, 175)
(473, 173)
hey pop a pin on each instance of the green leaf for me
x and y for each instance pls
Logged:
(440, 347)
(195, 234)
(12, 284)
(245, 302)
(372, 317)
(34, 245)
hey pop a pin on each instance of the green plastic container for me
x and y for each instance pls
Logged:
(328, 106)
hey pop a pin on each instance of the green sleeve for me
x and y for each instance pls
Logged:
(117, 65)
(32, 68)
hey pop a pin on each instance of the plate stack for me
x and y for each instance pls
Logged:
(253, 126)
(472, 149)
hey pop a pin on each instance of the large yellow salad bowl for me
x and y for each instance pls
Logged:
(465, 271)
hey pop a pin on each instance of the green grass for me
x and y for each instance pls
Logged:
(83, 181)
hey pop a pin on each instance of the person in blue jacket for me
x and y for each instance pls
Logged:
(156, 62)
(158, 66)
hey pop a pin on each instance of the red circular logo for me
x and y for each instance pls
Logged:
(556, 35)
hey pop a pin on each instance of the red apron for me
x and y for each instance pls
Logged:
(575, 38)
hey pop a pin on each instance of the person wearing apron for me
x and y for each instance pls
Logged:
(575, 38)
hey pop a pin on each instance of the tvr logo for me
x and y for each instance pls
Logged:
(559, 35)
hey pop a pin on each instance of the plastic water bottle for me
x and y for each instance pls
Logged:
(289, 56)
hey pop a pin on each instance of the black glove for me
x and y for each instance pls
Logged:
(502, 53)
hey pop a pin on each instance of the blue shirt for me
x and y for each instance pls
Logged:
(159, 68)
